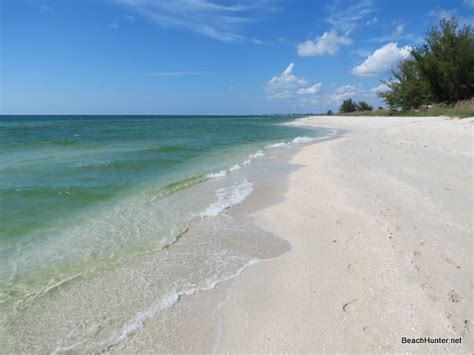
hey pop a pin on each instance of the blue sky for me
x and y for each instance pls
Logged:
(205, 56)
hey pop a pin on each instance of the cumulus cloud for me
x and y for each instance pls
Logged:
(379, 89)
(327, 43)
(343, 19)
(314, 89)
(382, 60)
(343, 92)
(287, 85)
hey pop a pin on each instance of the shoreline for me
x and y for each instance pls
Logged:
(379, 228)
(173, 334)
(213, 247)
(364, 270)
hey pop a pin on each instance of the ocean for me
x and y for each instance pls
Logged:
(105, 221)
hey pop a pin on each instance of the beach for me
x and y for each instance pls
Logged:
(379, 221)
(320, 234)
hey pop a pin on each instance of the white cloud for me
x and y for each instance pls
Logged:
(382, 60)
(469, 3)
(327, 43)
(314, 89)
(397, 34)
(287, 85)
(222, 22)
(343, 18)
(346, 17)
(283, 86)
(380, 88)
(343, 92)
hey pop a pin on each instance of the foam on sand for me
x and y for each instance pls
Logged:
(227, 197)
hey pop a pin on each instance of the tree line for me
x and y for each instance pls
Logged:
(439, 71)
(349, 105)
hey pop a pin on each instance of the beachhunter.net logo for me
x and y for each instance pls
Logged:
(429, 340)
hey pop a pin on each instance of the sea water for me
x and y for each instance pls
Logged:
(107, 220)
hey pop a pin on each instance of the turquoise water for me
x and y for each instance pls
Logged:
(80, 196)
(54, 167)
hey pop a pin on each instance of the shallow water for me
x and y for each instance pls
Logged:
(108, 220)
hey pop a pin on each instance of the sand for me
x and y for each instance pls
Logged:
(380, 224)
(379, 221)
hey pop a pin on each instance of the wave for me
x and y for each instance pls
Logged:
(166, 301)
(260, 153)
(227, 197)
(223, 173)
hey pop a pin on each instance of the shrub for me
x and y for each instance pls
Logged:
(364, 106)
(348, 106)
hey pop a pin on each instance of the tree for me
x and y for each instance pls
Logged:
(446, 61)
(409, 89)
(364, 106)
(348, 106)
(329, 113)
(442, 70)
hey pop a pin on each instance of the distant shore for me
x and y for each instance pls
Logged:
(379, 223)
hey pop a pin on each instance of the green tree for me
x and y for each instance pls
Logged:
(364, 106)
(329, 113)
(348, 106)
(446, 61)
(442, 70)
(408, 89)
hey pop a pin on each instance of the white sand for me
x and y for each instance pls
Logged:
(380, 225)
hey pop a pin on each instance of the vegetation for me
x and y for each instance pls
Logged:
(364, 106)
(460, 109)
(349, 106)
(439, 72)
(437, 79)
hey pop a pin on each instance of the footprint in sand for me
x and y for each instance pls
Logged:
(348, 307)
(349, 266)
(452, 263)
(467, 326)
(454, 297)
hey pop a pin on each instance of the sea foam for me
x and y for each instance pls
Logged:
(227, 197)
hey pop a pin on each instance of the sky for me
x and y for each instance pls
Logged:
(206, 56)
